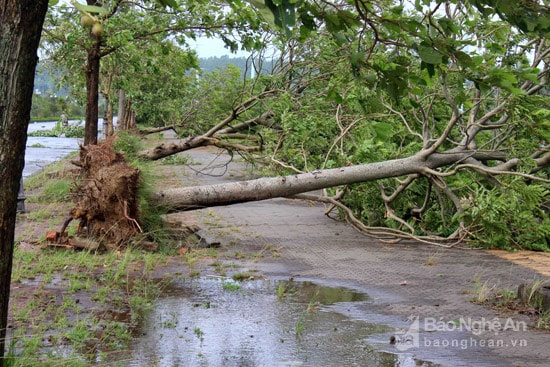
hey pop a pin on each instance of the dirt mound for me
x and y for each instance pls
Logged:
(106, 196)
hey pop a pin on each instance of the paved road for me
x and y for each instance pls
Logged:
(402, 287)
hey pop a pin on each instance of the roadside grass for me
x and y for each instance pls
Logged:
(483, 291)
(56, 190)
(69, 307)
(231, 285)
(509, 301)
(543, 321)
(175, 159)
(60, 168)
(63, 314)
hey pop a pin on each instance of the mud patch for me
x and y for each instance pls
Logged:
(216, 321)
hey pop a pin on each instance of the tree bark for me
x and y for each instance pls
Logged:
(121, 107)
(92, 90)
(189, 198)
(166, 149)
(92, 87)
(108, 119)
(155, 130)
(20, 28)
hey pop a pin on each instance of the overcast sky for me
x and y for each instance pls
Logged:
(210, 47)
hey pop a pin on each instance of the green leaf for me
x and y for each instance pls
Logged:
(429, 67)
(357, 59)
(268, 16)
(448, 26)
(169, 3)
(463, 58)
(278, 13)
(340, 38)
(371, 78)
(53, 2)
(398, 10)
(429, 55)
(335, 96)
(507, 85)
(382, 130)
(258, 3)
(89, 8)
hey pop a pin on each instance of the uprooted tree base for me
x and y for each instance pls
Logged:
(106, 197)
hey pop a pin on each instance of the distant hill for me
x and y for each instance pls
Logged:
(44, 83)
(210, 64)
(220, 62)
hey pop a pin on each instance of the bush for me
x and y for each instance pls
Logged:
(510, 218)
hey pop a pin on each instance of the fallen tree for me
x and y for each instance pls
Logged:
(187, 198)
(471, 147)
(209, 137)
(425, 164)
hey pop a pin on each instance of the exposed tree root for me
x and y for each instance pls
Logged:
(106, 197)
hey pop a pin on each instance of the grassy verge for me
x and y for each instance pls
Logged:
(69, 307)
(73, 308)
(508, 301)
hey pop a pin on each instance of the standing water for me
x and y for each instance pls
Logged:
(41, 151)
(220, 322)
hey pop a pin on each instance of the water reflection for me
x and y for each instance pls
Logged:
(205, 322)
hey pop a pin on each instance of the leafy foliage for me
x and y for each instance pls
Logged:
(46, 107)
(386, 82)
(211, 98)
(510, 218)
(159, 98)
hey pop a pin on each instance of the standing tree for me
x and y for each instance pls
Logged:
(83, 35)
(20, 28)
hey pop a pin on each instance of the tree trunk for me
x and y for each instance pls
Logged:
(92, 96)
(155, 130)
(92, 88)
(109, 129)
(166, 149)
(121, 107)
(189, 198)
(20, 28)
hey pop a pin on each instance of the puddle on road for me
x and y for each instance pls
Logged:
(220, 322)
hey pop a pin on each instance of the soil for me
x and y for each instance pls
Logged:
(538, 261)
(292, 238)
